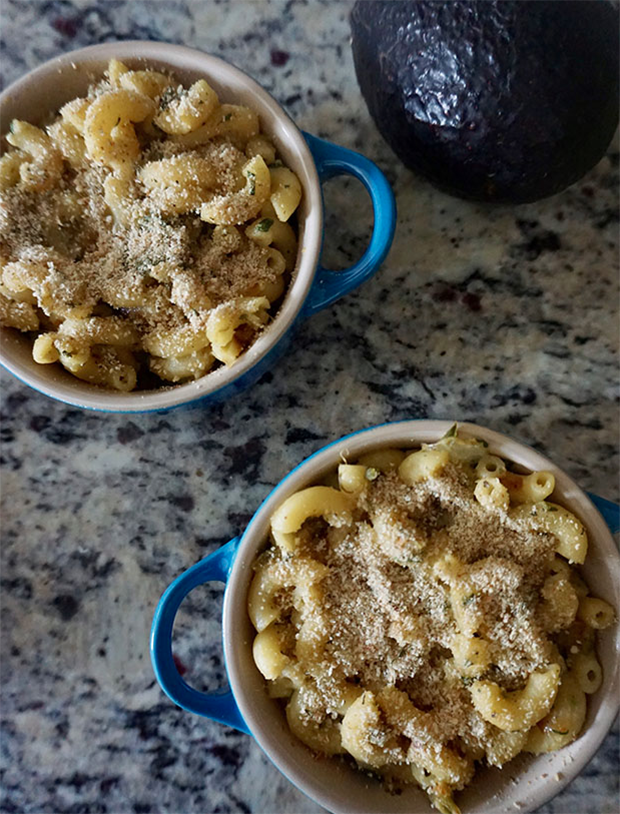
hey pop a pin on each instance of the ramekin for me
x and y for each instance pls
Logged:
(43, 91)
(522, 785)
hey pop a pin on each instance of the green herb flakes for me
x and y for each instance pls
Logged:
(264, 225)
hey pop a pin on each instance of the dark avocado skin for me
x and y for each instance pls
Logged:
(492, 100)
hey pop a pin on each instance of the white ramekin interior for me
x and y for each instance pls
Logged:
(525, 783)
(41, 92)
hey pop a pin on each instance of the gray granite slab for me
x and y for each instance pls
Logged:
(504, 316)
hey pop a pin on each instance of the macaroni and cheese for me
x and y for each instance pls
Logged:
(146, 230)
(423, 611)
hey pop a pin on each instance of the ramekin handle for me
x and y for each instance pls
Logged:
(610, 511)
(219, 705)
(332, 160)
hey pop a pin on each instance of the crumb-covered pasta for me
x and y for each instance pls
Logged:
(145, 232)
(426, 614)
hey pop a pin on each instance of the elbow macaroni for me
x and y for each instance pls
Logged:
(572, 540)
(519, 710)
(171, 249)
(406, 664)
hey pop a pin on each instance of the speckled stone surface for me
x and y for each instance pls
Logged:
(504, 316)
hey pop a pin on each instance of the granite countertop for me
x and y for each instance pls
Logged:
(503, 316)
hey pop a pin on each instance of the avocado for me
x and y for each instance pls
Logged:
(494, 100)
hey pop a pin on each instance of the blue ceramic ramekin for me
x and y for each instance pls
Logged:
(333, 783)
(312, 159)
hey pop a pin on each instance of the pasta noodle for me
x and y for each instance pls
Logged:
(419, 622)
(147, 231)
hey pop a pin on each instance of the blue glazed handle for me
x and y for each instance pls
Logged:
(220, 705)
(332, 160)
(609, 511)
